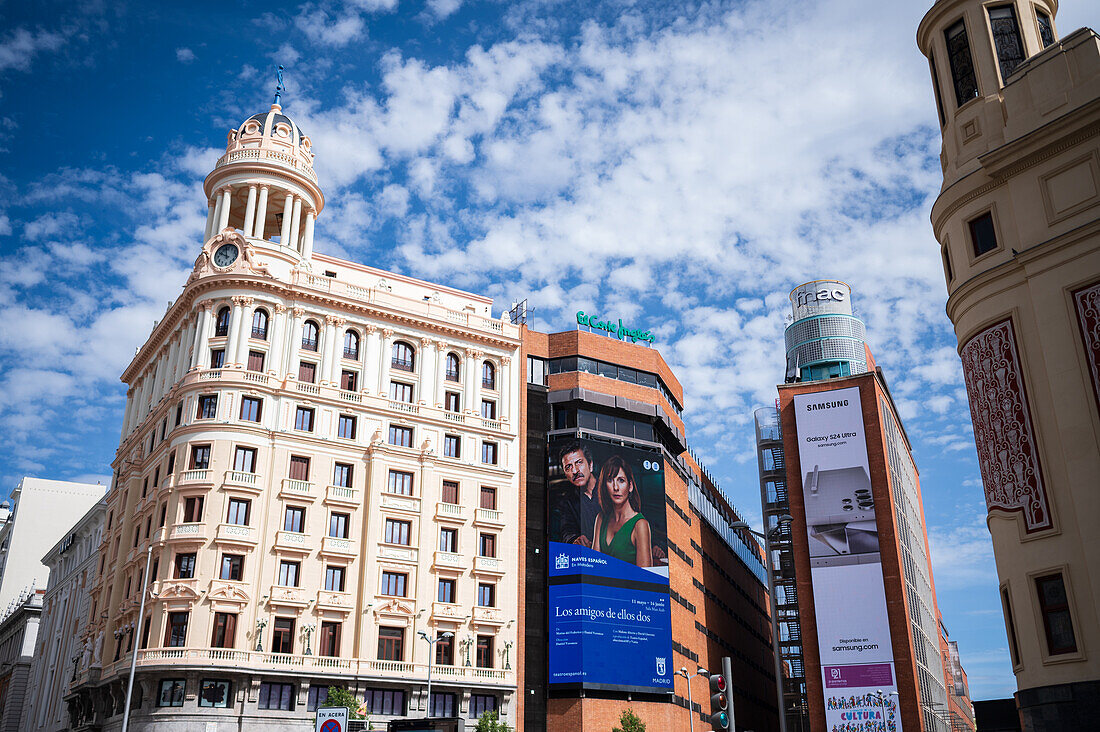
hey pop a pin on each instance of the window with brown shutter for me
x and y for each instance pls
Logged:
(299, 467)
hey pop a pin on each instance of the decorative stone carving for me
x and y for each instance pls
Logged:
(246, 263)
(280, 308)
(1007, 452)
(1087, 303)
(298, 312)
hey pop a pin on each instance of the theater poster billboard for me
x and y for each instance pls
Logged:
(608, 601)
(853, 633)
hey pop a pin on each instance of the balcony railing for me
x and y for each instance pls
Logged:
(241, 477)
(488, 565)
(188, 531)
(488, 516)
(336, 545)
(449, 511)
(236, 533)
(340, 494)
(195, 476)
(297, 488)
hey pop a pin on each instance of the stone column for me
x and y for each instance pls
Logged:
(295, 342)
(261, 213)
(278, 342)
(475, 406)
(223, 218)
(328, 352)
(211, 217)
(250, 211)
(428, 373)
(441, 349)
(173, 357)
(468, 384)
(128, 412)
(384, 362)
(245, 331)
(307, 237)
(295, 224)
(232, 342)
(338, 350)
(371, 361)
(187, 338)
(506, 400)
(201, 355)
(217, 213)
(288, 210)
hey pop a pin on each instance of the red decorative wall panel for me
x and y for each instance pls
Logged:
(1087, 303)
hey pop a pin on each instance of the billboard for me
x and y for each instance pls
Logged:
(853, 632)
(609, 616)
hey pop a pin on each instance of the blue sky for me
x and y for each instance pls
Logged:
(679, 165)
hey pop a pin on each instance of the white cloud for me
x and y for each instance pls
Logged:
(185, 55)
(20, 47)
(444, 8)
(49, 225)
(323, 30)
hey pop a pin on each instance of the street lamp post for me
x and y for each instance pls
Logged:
(137, 642)
(691, 709)
(882, 702)
(308, 630)
(431, 653)
(767, 537)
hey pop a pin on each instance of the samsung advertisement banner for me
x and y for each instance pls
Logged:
(853, 633)
(609, 614)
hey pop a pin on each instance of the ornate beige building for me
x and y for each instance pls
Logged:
(1018, 221)
(323, 459)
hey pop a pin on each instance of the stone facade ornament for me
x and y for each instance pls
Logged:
(1087, 303)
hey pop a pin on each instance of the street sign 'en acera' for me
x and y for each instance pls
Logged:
(332, 719)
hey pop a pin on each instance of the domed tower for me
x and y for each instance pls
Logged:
(1018, 223)
(264, 187)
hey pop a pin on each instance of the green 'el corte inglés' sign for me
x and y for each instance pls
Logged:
(618, 330)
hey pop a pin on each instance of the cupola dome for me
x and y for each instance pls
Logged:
(275, 132)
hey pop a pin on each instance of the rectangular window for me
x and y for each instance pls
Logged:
(345, 428)
(401, 436)
(446, 591)
(307, 372)
(448, 540)
(489, 453)
(393, 583)
(276, 696)
(1046, 28)
(536, 370)
(487, 595)
(208, 406)
(288, 573)
(947, 265)
(442, 704)
(251, 408)
(244, 460)
(256, 361)
(192, 510)
(488, 409)
(385, 701)
(299, 467)
(452, 446)
(330, 640)
(451, 402)
(334, 579)
(450, 491)
(175, 635)
(401, 392)
(217, 358)
(349, 380)
(282, 638)
(962, 65)
(239, 510)
(936, 90)
(1006, 39)
(488, 498)
(342, 475)
(1013, 645)
(400, 482)
(487, 547)
(232, 567)
(485, 651)
(317, 697)
(397, 532)
(294, 519)
(171, 468)
(225, 630)
(982, 234)
(391, 644)
(338, 525)
(481, 703)
(200, 457)
(303, 419)
(171, 693)
(1054, 607)
(214, 693)
(185, 566)
(179, 414)
(145, 486)
(444, 649)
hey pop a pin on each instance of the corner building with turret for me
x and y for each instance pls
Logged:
(1018, 224)
(319, 463)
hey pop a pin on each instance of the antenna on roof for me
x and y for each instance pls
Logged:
(279, 88)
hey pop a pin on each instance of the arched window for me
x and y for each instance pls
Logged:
(309, 335)
(221, 325)
(403, 357)
(452, 367)
(259, 324)
(351, 345)
(488, 375)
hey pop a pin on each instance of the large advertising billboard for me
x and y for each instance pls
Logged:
(609, 616)
(853, 632)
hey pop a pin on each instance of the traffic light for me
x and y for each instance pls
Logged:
(719, 703)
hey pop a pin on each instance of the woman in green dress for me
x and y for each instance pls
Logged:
(621, 530)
